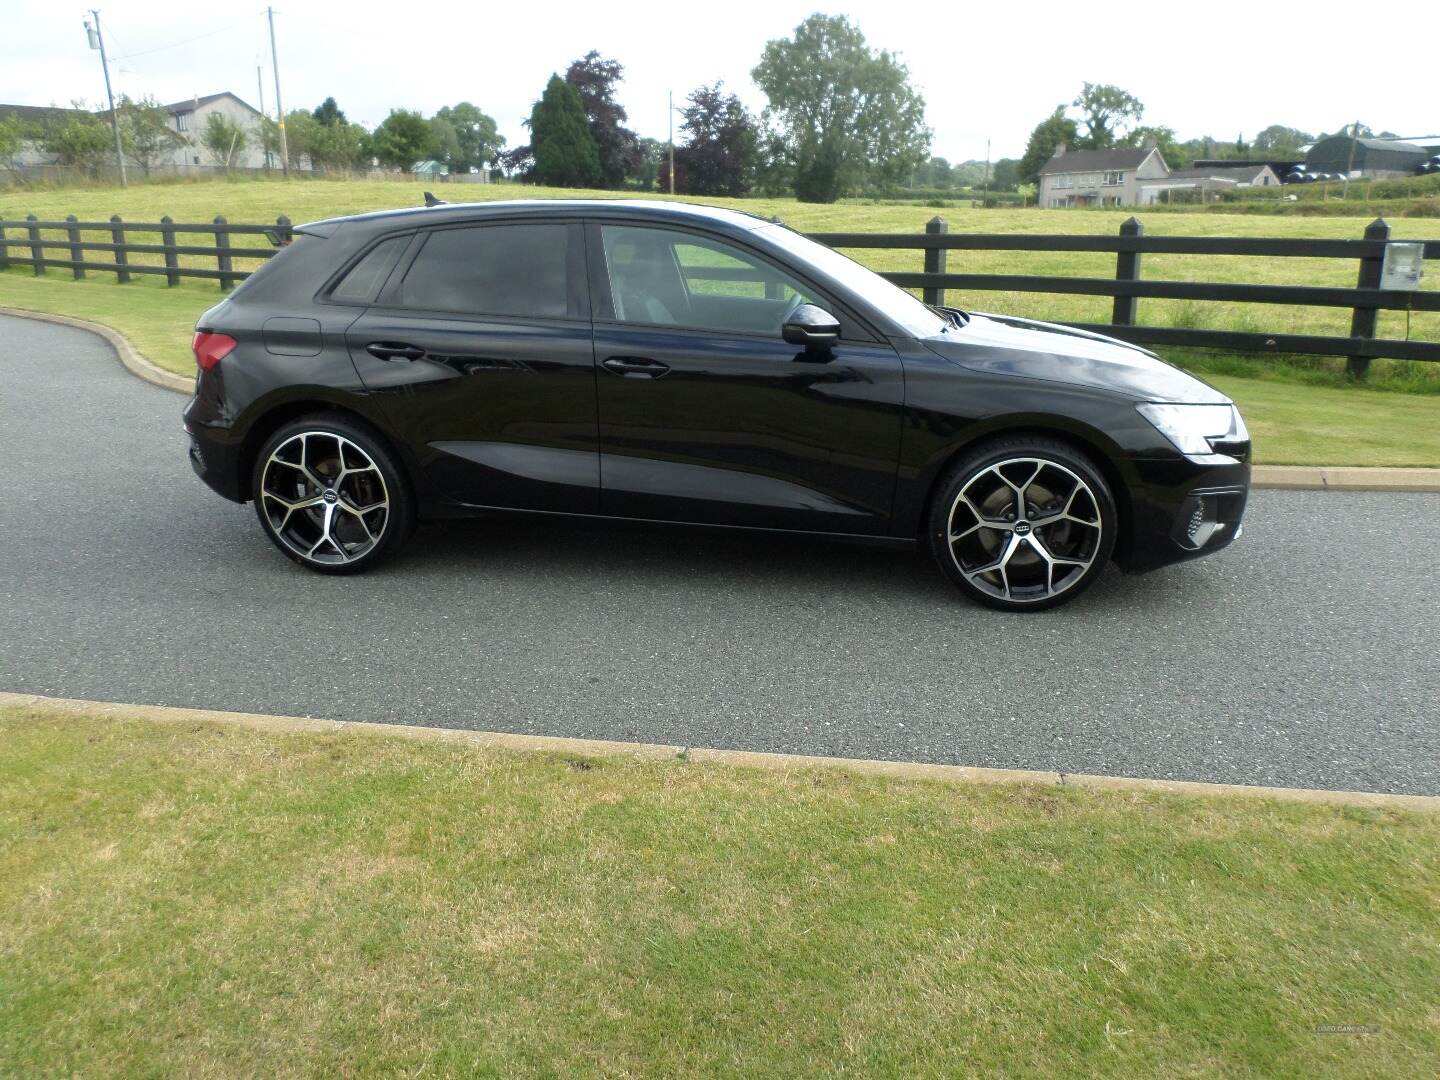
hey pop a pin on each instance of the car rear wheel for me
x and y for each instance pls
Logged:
(330, 494)
(1023, 524)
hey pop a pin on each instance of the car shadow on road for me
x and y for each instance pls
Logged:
(661, 558)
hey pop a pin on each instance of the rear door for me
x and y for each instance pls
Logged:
(479, 349)
(707, 415)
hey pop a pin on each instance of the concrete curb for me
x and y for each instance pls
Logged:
(134, 360)
(900, 770)
(1286, 477)
(1344, 478)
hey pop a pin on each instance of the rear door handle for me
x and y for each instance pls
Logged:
(389, 350)
(636, 367)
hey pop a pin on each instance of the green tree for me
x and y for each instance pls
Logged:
(1163, 139)
(329, 113)
(1005, 175)
(14, 133)
(76, 137)
(403, 138)
(337, 147)
(847, 114)
(1279, 139)
(1055, 131)
(473, 139)
(223, 139)
(595, 79)
(1106, 111)
(145, 132)
(565, 151)
(719, 155)
(652, 158)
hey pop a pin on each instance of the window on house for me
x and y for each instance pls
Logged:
(182, 121)
(1114, 179)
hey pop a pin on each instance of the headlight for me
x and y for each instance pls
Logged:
(1193, 428)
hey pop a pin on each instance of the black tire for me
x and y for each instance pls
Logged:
(1011, 564)
(331, 479)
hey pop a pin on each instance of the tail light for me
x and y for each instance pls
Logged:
(210, 348)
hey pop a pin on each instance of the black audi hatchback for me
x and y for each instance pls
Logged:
(668, 362)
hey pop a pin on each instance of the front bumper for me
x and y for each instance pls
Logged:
(1183, 508)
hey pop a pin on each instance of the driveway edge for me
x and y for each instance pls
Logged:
(134, 360)
(900, 770)
(1284, 477)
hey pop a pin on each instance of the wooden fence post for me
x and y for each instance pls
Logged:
(37, 253)
(4, 250)
(935, 260)
(167, 237)
(122, 257)
(1363, 321)
(77, 253)
(222, 256)
(1127, 268)
(282, 226)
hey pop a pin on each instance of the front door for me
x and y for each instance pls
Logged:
(707, 415)
(480, 352)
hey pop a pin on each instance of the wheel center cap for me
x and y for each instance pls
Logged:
(330, 497)
(1022, 528)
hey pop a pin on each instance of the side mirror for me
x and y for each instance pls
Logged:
(811, 326)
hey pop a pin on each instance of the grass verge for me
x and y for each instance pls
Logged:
(193, 899)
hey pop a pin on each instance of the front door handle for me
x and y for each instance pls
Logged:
(388, 350)
(636, 367)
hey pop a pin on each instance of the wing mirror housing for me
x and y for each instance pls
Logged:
(811, 326)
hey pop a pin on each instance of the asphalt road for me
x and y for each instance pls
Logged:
(1307, 655)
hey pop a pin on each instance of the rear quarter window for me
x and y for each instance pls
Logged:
(363, 280)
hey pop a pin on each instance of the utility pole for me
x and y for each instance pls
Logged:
(279, 109)
(1354, 136)
(97, 41)
(260, 86)
(670, 112)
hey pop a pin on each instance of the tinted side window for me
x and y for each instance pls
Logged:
(491, 270)
(360, 285)
(669, 278)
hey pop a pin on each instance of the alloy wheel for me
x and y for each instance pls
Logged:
(1025, 529)
(324, 498)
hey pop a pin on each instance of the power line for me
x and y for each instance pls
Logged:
(187, 41)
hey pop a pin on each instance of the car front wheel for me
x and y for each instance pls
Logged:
(1023, 524)
(330, 494)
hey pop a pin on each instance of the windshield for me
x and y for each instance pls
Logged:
(893, 301)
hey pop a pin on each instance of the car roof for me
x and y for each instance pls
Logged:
(637, 209)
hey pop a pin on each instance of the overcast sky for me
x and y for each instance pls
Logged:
(987, 71)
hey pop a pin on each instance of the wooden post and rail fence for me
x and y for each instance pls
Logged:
(62, 245)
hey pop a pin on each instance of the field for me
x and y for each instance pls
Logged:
(1278, 397)
(187, 899)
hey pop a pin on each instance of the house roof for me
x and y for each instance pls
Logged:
(1240, 174)
(1096, 160)
(191, 103)
(32, 114)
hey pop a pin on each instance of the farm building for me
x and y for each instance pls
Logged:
(1205, 182)
(1099, 177)
(1365, 157)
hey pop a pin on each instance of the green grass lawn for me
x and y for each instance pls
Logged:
(260, 201)
(197, 900)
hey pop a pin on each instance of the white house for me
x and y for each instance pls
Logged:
(1099, 177)
(187, 120)
(1207, 181)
